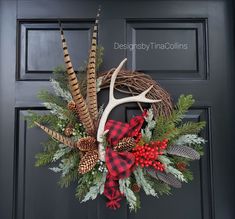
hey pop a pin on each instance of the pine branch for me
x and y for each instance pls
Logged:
(66, 95)
(184, 103)
(60, 76)
(50, 145)
(188, 175)
(46, 96)
(69, 178)
(191, 128)
(160, 187)
(97, 188)
(84, 184)
(166, 127)
(49, 119)
(44, 158)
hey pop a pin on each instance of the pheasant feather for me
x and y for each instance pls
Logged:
(183, 151)
(56, 135)
(91, 73)
(83, 112)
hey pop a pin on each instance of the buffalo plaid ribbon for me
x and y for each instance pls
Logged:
(119, 164)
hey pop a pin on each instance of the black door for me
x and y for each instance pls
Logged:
(30, 49)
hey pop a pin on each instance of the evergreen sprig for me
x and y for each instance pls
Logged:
(191, 128)
(171, 127)
(46, 96)
(44, 158)
(49, 119)
(84, 183)
(69, 178)
(182, 106)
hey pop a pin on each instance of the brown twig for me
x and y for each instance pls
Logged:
(136, 82)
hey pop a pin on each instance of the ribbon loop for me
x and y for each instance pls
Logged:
(119, 164)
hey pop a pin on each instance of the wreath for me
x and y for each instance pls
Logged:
(151, 152)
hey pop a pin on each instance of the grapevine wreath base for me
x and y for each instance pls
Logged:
(151, 152)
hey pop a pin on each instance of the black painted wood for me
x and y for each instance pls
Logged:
(29, 50)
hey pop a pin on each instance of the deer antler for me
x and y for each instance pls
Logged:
(91, 73)
(83, 112)
(113, 102)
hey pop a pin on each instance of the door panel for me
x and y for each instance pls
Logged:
(30, 49)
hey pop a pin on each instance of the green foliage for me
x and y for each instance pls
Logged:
(60, 76)
(49, 149)
(71, 174)
(191, 128)
(124, 186)
(184, 103)
(50, 145)
(170, 127)
(44, 158)
(46, 96)
(49, 119)
(69, 178)
(141, 180)
(138, 202)
(84, 183)
(188, 175)
(198, 148)
(97, 187)
(164, 129)
(160, 187)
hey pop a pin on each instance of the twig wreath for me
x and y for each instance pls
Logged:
(151, 152)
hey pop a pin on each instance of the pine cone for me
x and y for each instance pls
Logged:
(88, 161)
(71, 105)
(86, 144)
(68, 130)
(135, 188)
(181, 166)
(126, 144)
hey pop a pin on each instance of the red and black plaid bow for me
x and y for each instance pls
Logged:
(119, 164)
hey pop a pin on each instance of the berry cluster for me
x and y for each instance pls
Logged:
(146, 155)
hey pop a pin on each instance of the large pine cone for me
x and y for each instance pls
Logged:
(88, 161)
(86, 144)
(126, 144)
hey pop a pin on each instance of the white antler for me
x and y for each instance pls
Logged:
(113, 102)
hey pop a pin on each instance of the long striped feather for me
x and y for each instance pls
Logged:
(83, 111)
(91, 73)
(56, 135)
